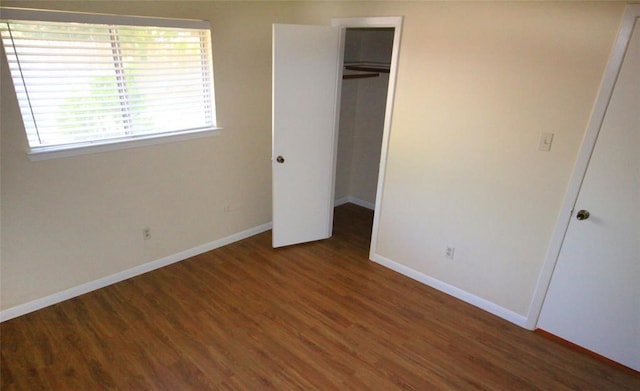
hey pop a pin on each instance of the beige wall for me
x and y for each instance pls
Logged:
(477, 83)
(69, 221)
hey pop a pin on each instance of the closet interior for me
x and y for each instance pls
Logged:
(367, 57)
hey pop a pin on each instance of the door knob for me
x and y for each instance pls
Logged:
(280, 159)
(582, 214)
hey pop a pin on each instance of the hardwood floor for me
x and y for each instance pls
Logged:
(316, 316)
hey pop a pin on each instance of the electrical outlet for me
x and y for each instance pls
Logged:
(146, 233)
(449, 252)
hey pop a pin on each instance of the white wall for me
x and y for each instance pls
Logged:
(477, 83)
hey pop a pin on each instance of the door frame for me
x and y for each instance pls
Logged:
(586, 150)
(394, 22)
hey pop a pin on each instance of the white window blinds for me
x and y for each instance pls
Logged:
(85, 83)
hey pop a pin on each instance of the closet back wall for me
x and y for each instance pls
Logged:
(362, 117)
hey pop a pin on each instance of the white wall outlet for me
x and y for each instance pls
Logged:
(545, 142)
(449, 252)
(146, 233)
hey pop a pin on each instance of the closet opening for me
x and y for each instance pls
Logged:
(363, 99)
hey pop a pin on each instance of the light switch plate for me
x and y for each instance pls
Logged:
(545, 142)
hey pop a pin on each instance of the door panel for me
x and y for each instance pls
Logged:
(306, 75)
(594, 296)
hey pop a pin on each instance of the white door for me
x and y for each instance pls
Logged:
(306, 71)
(594, 296)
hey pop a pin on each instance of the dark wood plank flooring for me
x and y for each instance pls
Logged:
(317, 316)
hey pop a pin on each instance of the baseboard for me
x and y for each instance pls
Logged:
(341, 201)
(356, 201)
(55, 298)
(458, 293)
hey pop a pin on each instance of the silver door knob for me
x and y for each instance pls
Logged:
(280, 159)
(582, 214)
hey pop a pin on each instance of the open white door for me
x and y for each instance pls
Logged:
(594, 296)
(306, 72)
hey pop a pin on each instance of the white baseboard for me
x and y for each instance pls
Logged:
(354, 200)
(341, 201)
(55, 298)
(58, 297)
(458, 293)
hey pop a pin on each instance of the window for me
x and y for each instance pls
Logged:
(83, 80)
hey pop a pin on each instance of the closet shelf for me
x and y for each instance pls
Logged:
(359, 75)
(365, 69)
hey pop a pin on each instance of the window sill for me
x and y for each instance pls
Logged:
(45, 153)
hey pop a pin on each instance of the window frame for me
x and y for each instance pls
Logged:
(80, 148)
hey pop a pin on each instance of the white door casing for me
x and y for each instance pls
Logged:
(593, 299)
(306, 84)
